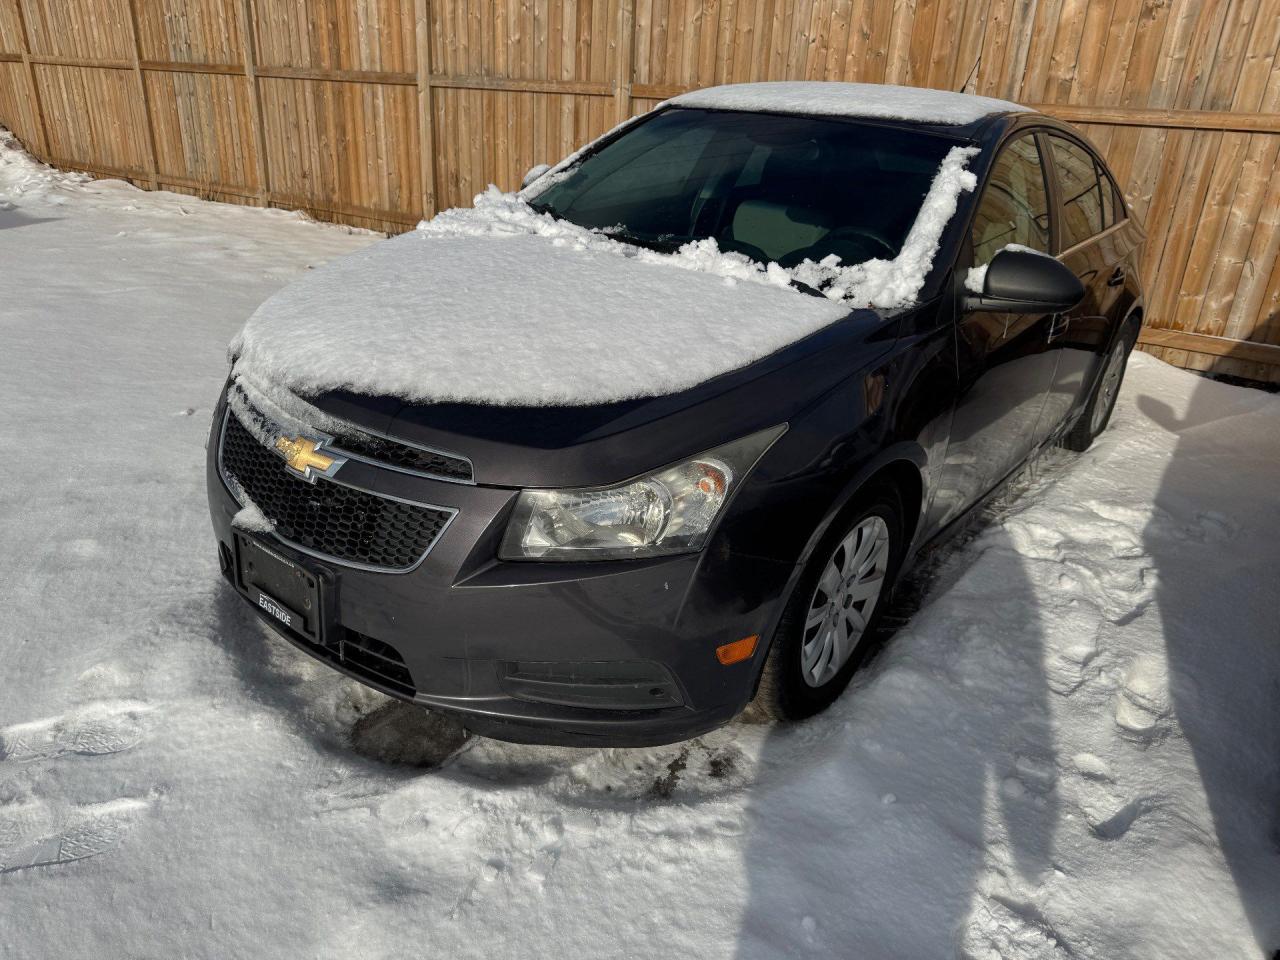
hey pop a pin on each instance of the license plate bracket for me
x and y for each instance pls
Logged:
(284, 591)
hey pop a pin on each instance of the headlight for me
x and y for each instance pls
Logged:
(670, 511)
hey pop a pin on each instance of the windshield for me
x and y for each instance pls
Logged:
(776, 188)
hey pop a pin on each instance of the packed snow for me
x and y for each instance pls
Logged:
(883, 101)
(515, 319)
(1069, 749)
(500, 304)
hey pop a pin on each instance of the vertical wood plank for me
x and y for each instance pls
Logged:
(25, 36)
(625, 60)
(249, 33)
(142, 92)
(426, 109)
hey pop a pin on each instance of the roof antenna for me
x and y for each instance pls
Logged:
(969, 79)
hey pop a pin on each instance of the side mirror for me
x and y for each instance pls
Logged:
(534, 173)
(1018, 282)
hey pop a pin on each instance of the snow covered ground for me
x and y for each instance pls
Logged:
(1071, 750)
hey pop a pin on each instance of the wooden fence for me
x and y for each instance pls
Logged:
(376, 112)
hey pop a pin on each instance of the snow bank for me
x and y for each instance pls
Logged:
(21, 175)
(884, 101)
(25, 181)
(500, 304)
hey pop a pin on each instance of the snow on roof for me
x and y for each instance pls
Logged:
(878, 100)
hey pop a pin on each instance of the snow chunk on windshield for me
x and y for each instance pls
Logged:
(884, 101)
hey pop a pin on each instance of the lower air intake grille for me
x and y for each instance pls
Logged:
(327, 518)
(378, 661)
(369, 659)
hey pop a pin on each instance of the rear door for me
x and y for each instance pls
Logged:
(1003, 362)
(1089, 211)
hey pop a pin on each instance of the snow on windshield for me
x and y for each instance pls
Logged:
(883, 284)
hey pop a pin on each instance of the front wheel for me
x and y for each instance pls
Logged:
(825, 631)
(1097, 414)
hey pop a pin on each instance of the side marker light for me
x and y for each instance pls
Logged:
(737, 651)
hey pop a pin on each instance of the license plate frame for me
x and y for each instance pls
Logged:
(284, 591)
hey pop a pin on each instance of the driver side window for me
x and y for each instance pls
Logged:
(1015, 206)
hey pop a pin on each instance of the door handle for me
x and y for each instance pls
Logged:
(1058, 326)
(1116, 278)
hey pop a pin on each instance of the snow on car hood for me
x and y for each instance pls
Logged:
(498, 304)
(515, 320)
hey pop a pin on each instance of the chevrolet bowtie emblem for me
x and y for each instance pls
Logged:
(303, 457)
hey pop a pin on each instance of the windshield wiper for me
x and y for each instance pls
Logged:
(622, 235)
(806, 288)
(619, 233)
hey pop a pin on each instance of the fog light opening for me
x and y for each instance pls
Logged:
(736, 652)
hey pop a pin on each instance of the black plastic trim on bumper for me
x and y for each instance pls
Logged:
(602, 684)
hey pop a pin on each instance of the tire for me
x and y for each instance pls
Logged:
(1097, 413)
(785, 692)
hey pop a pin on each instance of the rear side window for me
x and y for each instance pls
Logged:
(1082, 192)
(1015, 204)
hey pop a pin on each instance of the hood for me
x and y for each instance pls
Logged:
(597, 444)
(518, 320)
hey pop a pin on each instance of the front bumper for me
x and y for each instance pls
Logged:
(618, 653)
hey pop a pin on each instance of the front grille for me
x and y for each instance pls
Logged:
(380, 450)
(395, 454)
(327, 518)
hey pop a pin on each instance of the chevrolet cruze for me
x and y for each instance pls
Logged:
(609, 460)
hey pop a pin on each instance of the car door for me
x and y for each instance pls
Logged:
(1088, 208)
(1003, 365)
